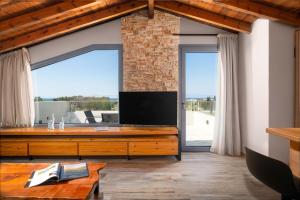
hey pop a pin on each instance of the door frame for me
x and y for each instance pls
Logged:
(183, 49)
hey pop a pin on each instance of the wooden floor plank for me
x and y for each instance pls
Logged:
(199, 176)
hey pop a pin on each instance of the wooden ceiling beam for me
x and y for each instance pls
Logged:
(151, 9)
(71, 25)
(45, 16)
(260, 10)
(205, 16)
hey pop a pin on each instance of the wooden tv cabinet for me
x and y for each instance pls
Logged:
(88, 141)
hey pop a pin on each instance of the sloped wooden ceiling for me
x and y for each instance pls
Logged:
(27, 22)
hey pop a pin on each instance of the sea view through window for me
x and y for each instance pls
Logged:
(81, 89)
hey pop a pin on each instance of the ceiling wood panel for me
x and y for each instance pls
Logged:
(50, 15)
(42, 17)
(72, 25)
(211, 6)
(203, 16)
(287, 5)
(26, 22)
(14, 8)
(261, 10)
(5, 2)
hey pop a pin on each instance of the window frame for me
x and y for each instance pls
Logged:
(78, 52)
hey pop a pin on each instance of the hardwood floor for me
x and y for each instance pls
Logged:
(199, 176)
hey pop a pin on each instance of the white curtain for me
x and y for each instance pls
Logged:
(227, 137)
(16, 97)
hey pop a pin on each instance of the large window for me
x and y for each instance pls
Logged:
(80, 89)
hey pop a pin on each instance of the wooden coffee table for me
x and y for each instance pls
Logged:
(13, 177)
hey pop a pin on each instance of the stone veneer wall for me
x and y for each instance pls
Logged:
(150, 51)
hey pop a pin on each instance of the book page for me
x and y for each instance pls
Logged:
(42, 175)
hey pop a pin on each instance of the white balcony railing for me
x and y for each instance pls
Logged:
(72, 111)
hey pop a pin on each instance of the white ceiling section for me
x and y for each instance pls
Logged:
(110, 33)
(107, 33)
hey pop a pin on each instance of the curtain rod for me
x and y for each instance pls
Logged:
(194, 34)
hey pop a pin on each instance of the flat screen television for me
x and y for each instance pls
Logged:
(148, 108)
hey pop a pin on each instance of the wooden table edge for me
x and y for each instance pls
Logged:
(275, 131)
(90, 131)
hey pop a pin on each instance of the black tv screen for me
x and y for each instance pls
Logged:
(148, 108)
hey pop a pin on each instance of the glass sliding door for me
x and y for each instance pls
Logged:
(198, 96)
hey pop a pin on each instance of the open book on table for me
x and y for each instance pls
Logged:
(56, 173)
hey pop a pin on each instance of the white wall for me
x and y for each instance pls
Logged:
(106, 33)
(188, 26)
(110, 33)
(266, 86)
(281, 86)
(253, 86)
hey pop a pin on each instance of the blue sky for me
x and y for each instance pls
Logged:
(96, 74)
(201, 74)
(91, 74)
